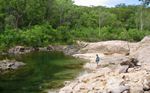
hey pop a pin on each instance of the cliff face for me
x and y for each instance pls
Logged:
(124, 68)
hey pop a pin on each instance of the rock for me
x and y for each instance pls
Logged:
(143, 54)
(131, 62)
(88, 56)
(107, 47)
(43, 49)
(80, 86)
(71, 49)
(6, 65)
(81, 44)
(114, 60)
(90, 66)
(122, 69)
(67, 89)
(50, 48)
(137, 89)
(134, 47)
(131, 70)
(146, 91)
(114, 85)
(117, 72)
(146, 84)
(20, 50)
(85, 78)
(51, 91)
(66, 83)
(105, 70)
(146, 39)
(66, 49)
(126, 91)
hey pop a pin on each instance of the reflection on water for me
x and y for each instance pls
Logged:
(43, 70)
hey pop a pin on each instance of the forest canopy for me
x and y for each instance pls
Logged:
(42, 22)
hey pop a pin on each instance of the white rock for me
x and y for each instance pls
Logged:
(122, 69)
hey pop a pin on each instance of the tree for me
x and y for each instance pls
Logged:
(143, 5)
(145, 2)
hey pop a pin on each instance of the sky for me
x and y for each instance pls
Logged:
(108, 3)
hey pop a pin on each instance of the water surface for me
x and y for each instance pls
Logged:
(43, 70)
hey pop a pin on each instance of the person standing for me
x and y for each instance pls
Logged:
(97, 59)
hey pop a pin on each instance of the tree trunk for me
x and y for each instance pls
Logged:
(99, 26)
(141, 19)
(61, 14)
(29, 25)
(17, 21)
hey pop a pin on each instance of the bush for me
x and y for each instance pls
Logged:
(108, 33)
(36, 36)
(42, 35)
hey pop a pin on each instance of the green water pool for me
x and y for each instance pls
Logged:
(43, 70)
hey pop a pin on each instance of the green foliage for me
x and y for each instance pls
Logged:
(42, 22)
(108, 33)
(65, 34)
(37, 36)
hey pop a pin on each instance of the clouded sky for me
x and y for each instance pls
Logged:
(109, 3)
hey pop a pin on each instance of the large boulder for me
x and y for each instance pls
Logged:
(108, 47)
(143, 51)
(146, 39)
(143, 54)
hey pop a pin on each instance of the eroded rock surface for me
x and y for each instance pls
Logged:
(124, 68)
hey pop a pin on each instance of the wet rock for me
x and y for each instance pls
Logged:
(20, 50)
(50, 48)
(42, 49)
(6, 65)
(66, 49)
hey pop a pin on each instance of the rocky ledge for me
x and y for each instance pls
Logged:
(66, 49)
(124, 68)
(8, 65)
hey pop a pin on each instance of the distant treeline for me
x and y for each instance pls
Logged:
(42, 22)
